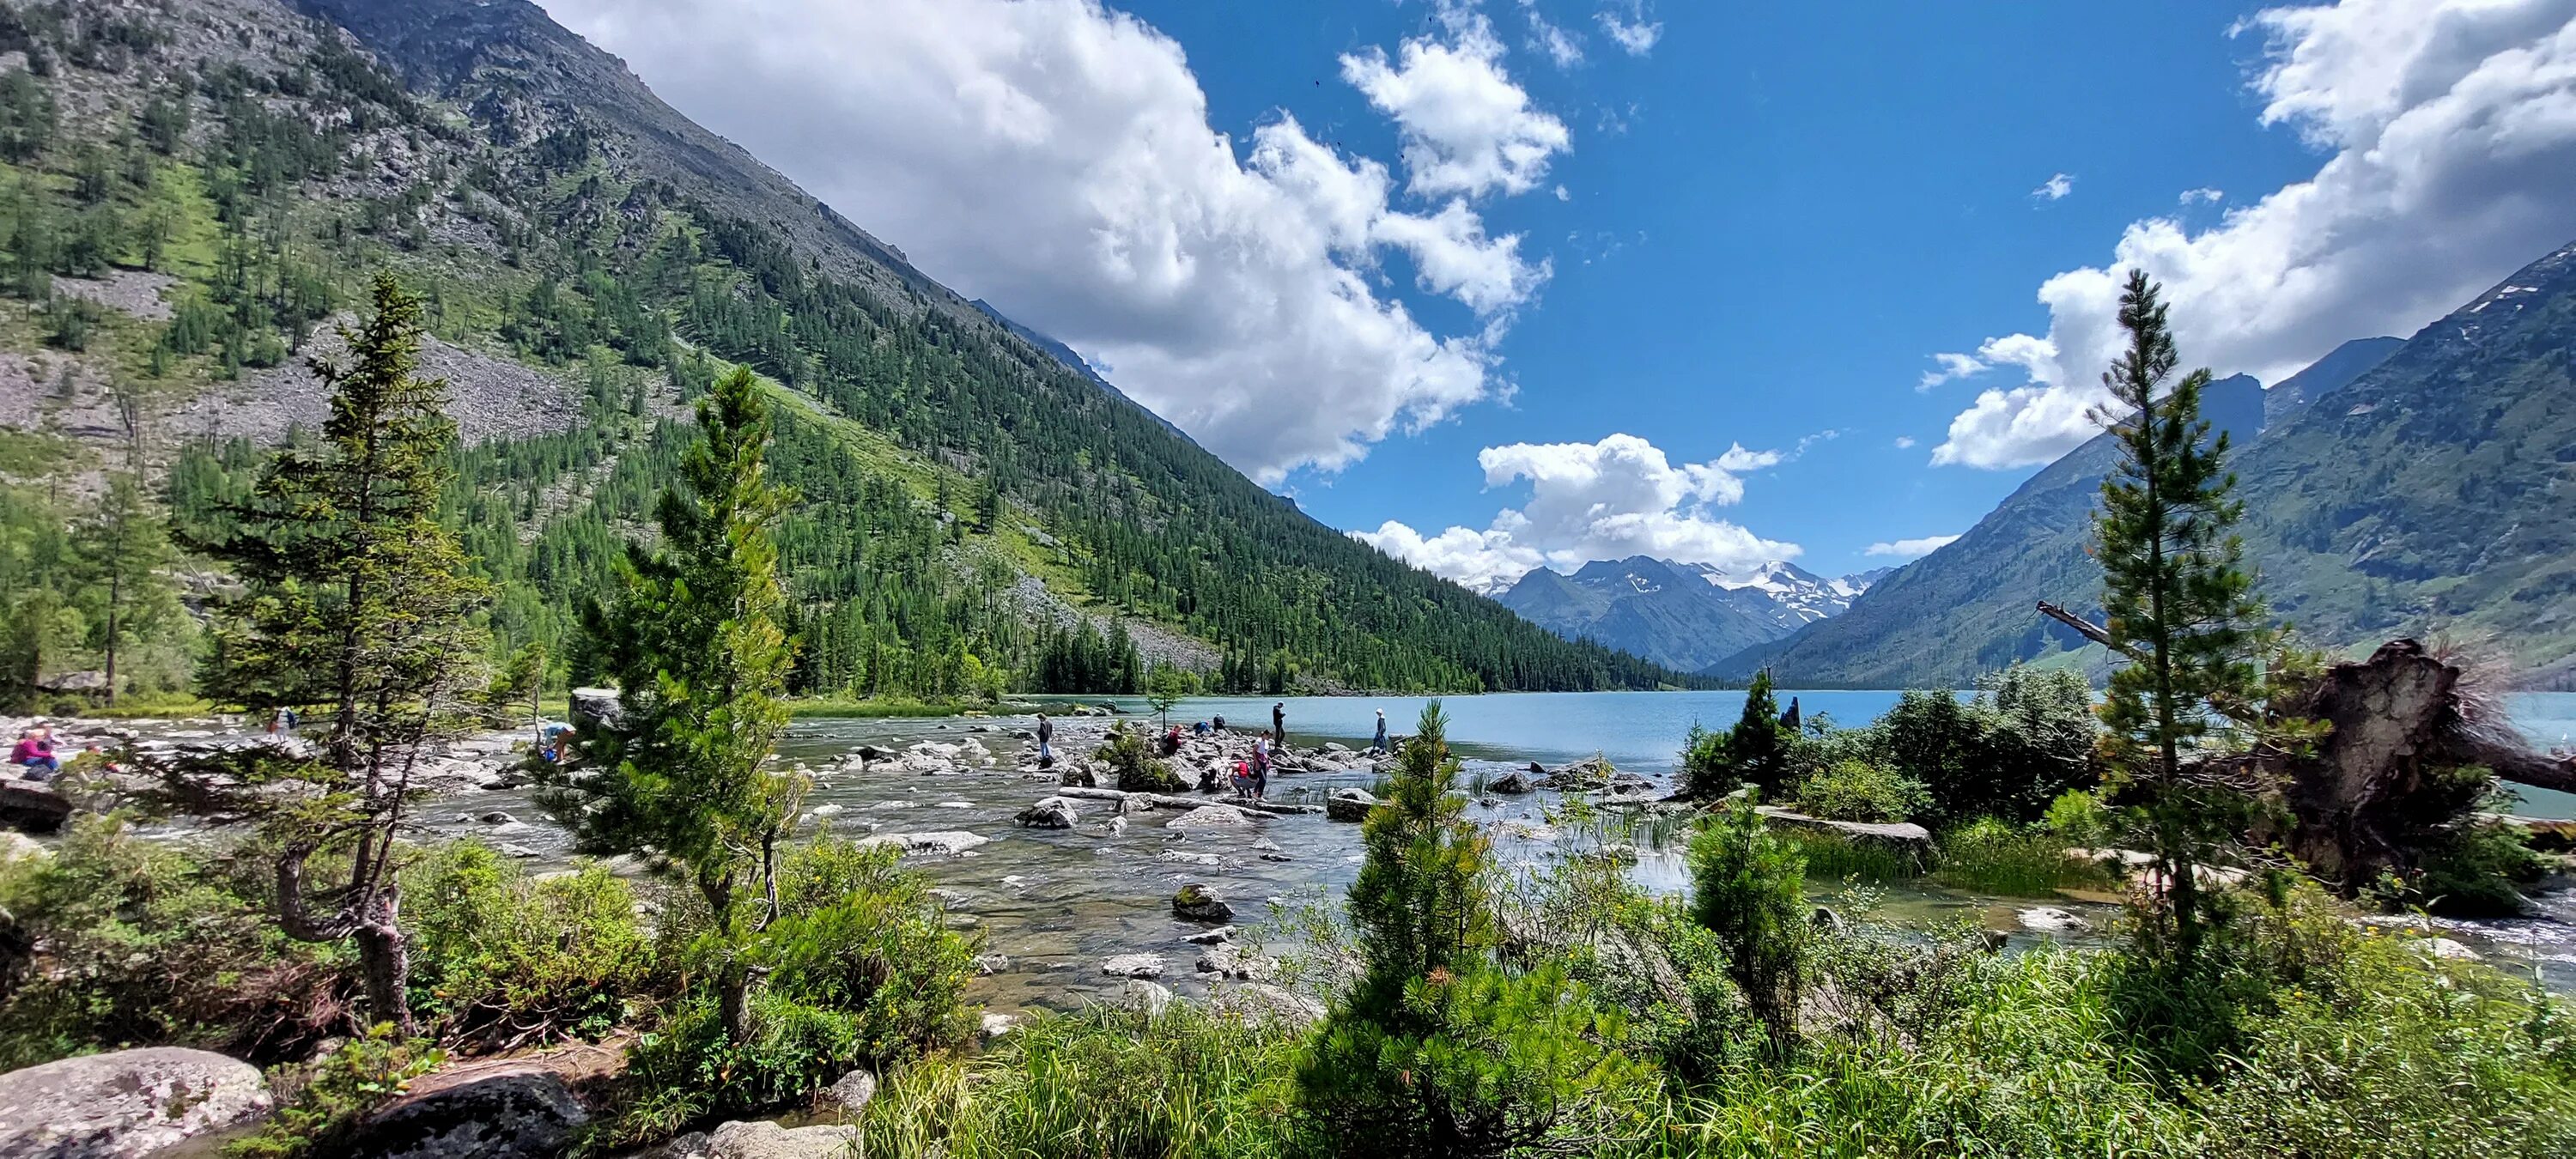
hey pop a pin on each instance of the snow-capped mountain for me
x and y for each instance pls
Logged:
(1682, 615)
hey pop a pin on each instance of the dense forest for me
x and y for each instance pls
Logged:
(188, 208)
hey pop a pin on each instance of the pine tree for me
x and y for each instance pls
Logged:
(1439, 1049)
(1755, 746)
(122, 551)
(2181, 607)
(357, 601)
(1747, 886)
(695, 645)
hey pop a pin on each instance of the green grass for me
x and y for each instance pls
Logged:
(1835, 857)
(1988, 856)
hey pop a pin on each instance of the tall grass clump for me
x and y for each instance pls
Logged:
(1989, 856)
(1835, 856)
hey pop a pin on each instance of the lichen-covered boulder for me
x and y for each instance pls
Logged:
(1198, 903)
(126, 1102)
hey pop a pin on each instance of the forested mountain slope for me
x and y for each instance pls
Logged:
(193, 189)
(2421, 491)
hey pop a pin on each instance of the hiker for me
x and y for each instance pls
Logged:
(1279, 724)
(1198, 728)
(1220, 724)
(1046, 742)
(281, 720)
(555, 747)
(35, 753)
(1242, 779)
(1378, 746)
(1261, 769)
(1171, 740)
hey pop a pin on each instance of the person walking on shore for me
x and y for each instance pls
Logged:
(1279, 724)
(1046, 742)
(1378, 746)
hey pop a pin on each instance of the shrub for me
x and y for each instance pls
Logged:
(1748, 886)
(2027, 737)
(862, 970)
(2078, 818)
(501, 961)
(1854, 790)
(344, 1088)
(1989, 856)
(1441, 1049)
(140, 941)
(1131, 756)
(2472, 869)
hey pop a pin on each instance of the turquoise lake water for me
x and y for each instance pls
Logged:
(1643, 730)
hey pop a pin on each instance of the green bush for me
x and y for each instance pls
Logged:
(343, 1089)
(1748, 886)
(1857, 790)
(861, 970)
(2079, 819)
(1131, 757)
(2027, 737)
(2473, 869)
(140, 941)
(502, 961)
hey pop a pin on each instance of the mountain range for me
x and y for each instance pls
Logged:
(2416, 488)
(1680, 615)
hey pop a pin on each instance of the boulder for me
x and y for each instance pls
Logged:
(994, 1025)
(1589, 773)
(2447, 948)
(595, 708)
(126, 1102)
(1349, 805)
(1210, 817)
(1198, 903)
(2050, 919)
(767, 1140)
(1516, 783)
(849, 1096)
(941, 843)
(32, 808)
(1217, 936)
(1079, 774)
(1227, 960)
(1146, 998)
(1261, 1002)
(516, 1113)
(1051, 813)
(15, 847)
(1133, 966)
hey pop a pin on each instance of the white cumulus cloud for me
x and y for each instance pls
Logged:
(1904, 442)
(1468, 128)
(1055, 158)
(2203, 196)
(1911, 548)
(2055, 188)
(1563, 48)
(2449, 134)
(1610, 499)
(1953, 366)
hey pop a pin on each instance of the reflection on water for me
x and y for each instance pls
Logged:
(1056, 902)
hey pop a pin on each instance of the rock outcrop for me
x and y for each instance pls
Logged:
(125, 1103)
(1349, 805)
(1051, 813)
(525, 1113)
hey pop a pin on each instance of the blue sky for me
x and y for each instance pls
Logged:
(1409, 265)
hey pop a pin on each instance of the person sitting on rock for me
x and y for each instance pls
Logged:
(1171, 740)
(35, 753)
(1242, 779)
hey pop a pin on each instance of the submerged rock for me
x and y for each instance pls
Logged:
(126, 1102)
(1198, 903)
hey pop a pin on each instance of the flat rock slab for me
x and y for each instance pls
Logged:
(521, 1113)
(938, 843)
(1896, 833)
(126, 1102)
(764, 1140)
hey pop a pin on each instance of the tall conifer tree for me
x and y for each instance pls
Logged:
(2181, 607)
(695, 645)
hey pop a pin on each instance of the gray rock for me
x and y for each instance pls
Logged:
(31, 808)
(1051, 813)
(1146, 998)
(497, 817)
(1349, 805)
(1230, 961)
(1133, 966)
(939, 843)
(849, 1096)
(2052, 919)
(1514, 783)
(1198, 903)
(519, 1113)
(519, 851)
(1905, 836)
(1588, 773)
(1217, 936)
(766, 1140)
(995, 1025)
(1261, 1002)
(125, 1103)
(16, 847)
(594, 708)
(1210, 817)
